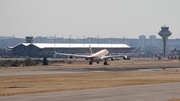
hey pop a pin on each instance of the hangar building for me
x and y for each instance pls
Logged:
(47, 49)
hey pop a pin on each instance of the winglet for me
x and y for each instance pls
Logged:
(90, 50)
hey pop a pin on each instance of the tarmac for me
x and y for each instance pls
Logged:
(152, 92)
(80, 70)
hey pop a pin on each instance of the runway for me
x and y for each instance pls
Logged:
(152, 92)
(80, 70)
(31, 72)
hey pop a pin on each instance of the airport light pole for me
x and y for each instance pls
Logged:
(54, 41)
(111, 40)
(139, 52)
(78, 39)
(98, 41)
(123, 42)
(13, 40)
(69, 43)
(62, 39)
(111, 44)
(83, 42)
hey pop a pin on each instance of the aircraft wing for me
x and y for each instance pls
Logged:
(73, 55)
(126, 57)
(114, 56)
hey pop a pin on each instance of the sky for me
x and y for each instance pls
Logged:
(89, 18)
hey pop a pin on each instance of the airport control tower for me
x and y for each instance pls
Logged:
(164, 33)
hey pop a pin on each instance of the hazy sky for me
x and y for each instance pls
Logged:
(90, 18)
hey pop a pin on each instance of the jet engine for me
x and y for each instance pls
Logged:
(126, 58)
(70, 57)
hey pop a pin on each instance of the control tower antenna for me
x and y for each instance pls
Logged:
(164, 33)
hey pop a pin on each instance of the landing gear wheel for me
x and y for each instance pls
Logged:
(105, 63)
(90, 63)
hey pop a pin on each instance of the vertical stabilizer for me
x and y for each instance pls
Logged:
(5, 50)
(174, 50)
(90, 50)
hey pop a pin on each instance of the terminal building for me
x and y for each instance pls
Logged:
(47, 49)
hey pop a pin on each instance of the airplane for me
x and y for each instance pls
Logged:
(5, 51)
(173, 51)
(161, 53)
(94, 57)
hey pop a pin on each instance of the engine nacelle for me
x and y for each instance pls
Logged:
(126, 58)
(70, 57)
(112, 59)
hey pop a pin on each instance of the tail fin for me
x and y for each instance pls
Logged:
(5, 50)
(174, 50)
(90, 50)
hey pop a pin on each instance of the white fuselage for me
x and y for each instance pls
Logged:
(98, 55)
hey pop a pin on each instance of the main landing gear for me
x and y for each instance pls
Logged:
(90, 62)
(105, 63)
